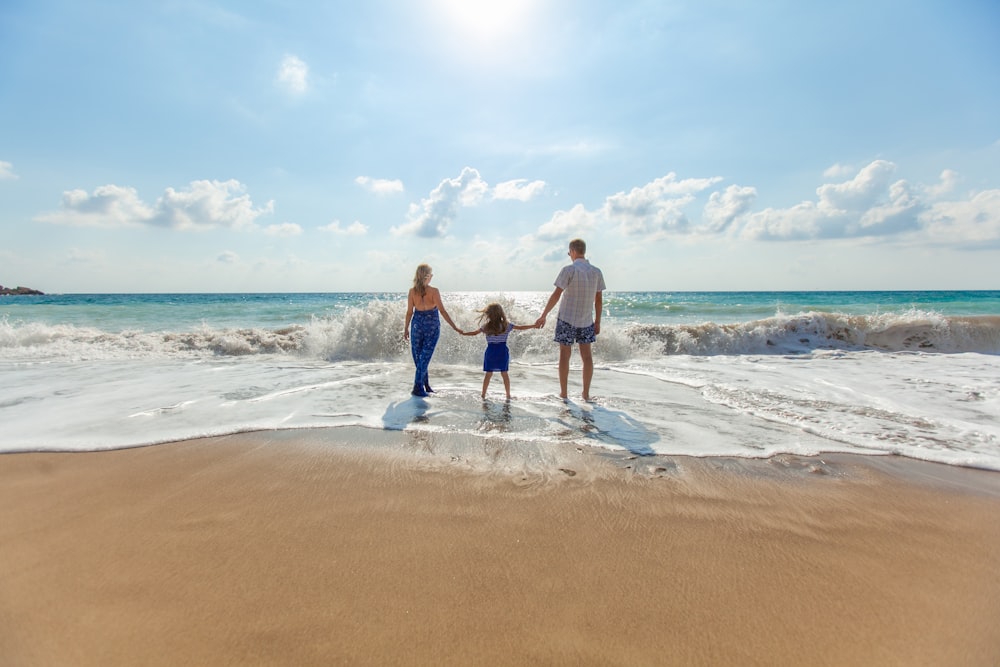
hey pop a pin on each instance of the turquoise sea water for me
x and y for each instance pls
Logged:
(167, 312)
(727, 307)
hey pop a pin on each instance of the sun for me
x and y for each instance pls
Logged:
(486, 22)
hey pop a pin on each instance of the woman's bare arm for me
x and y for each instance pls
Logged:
(409, 314)
(444, 311)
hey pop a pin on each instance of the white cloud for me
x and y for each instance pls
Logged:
(227, 257)
(567, 224)
(293, 75)
(555, 254)
(432, 217)
(808, 221)
(520, 189)
(654, 218)
(654, 210)
(204, 204)
(867, 205)
(899, 214)
(108, 206)
(7, 171)
(435, 213)
(380, 186)
(838, 171)
(724, 208)
(208, 204)
(802, 221)
(859, 193)
(354, 229)
(656, 207)
(283, 229)
(975, 221)
(949, 181)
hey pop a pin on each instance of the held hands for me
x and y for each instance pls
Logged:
(539, 323)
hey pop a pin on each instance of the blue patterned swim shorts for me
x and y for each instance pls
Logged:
(567, 334)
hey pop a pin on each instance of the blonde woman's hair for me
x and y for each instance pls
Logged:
(418, 279)
(493, 320)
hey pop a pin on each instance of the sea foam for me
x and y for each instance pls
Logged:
(374, 332)
(912, 382)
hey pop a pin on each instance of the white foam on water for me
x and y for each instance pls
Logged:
(912, 383)
(935, 407)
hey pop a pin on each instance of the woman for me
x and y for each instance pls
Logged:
(422, 307)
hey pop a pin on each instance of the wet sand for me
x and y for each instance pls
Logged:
(298, 548)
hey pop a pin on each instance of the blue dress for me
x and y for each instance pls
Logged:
(425, 328)
(497, 357)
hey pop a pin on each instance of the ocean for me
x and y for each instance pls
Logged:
(725, 374)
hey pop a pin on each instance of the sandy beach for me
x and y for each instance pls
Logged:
(292, 548)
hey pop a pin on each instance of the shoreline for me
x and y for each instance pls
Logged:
(428, 449)
(341, 545)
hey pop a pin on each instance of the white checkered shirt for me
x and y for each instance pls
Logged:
(580, 282)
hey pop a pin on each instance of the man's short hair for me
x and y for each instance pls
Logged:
(578, 246)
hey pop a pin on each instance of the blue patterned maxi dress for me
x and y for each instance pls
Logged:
(425, 329)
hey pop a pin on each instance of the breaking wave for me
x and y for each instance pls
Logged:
(374, 332)
(913, 330)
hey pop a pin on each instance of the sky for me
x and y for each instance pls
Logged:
(224, 146)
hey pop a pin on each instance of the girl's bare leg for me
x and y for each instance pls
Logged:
(486, 383)
(506, 383)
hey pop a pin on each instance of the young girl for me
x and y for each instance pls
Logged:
(493, 322)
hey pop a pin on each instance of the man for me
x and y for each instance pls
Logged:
(579, 320)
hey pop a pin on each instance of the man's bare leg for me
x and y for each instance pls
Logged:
(588, 368)
(565, 351)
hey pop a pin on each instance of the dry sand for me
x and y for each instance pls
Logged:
(288, 549)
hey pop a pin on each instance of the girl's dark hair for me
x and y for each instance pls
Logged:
(493, 320)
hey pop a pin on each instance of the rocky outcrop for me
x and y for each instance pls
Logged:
(17, 291)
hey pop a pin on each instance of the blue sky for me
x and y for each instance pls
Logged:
(165, 146)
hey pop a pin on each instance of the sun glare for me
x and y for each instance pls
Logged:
(486, 22)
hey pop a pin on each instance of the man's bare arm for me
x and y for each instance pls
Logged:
(598, 308)
(553, 300)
